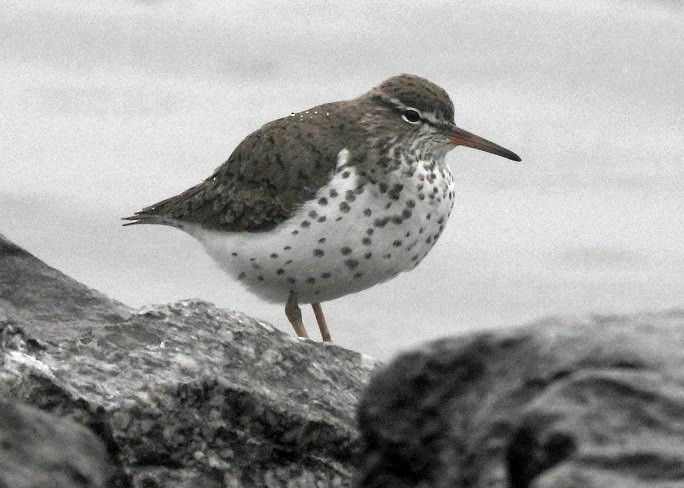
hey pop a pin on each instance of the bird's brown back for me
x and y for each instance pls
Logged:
(269, 174)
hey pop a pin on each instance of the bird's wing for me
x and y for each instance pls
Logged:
(269, 175)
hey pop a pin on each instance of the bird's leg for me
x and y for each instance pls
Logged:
(320, 318)
(294, 315)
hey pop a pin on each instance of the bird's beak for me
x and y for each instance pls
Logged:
(460, 137)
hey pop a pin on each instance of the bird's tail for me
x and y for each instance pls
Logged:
(145, 218)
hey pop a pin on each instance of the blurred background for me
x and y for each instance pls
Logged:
(108, 106)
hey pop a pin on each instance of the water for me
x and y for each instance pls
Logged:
(110, 106)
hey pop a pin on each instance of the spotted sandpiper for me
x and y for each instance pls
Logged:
(331, 200)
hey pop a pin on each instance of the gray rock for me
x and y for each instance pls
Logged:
(39, 450)
(189, 395)
(47, 303)
(182, 395)
(596, 402)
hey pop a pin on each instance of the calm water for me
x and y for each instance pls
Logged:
(115, 105)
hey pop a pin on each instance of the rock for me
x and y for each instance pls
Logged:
(182, 395)
(187, 395)
(48, 303)
(39, 450)
(595, 402)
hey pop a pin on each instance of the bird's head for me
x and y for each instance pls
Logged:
(412, 112)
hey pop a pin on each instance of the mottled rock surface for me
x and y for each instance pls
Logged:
(181, 395)
(596, 402)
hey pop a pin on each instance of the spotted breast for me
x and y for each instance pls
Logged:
(354, 234)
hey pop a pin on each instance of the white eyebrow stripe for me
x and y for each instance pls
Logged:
(429, 116)
(397, 102)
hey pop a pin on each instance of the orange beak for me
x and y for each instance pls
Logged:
(460, 137)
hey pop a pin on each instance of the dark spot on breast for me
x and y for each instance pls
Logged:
(241, 275)
(421, 196)
(396, 219)
(333, 193)
(287, 248)
(349, 196)
(370, 231)
(311, 281)
(321, 240)
(414, 258)
(358, 275)
(428, 240)
(313, 214)
(291, 281)
(406, 213)
(345, 251)
(396, 191)
(344, 207)
(440, 220)
(289, 261)
(295, 232)
(252, 259)
(387, 256)
(280, 271)
(325, 276)
(359, 189)
(260, 278)
(305, 224)
(381, 222)
(322, 218)
(410, 203)
(351, 263)
(396, 243)
(366, 241)
(346, 174)
(368, 212)
(322, 201)
(428, 216)
(368, 255)
(382, 187)
(318, 252)
(233, 254)
(274, 255)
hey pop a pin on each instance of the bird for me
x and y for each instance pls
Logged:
(331, 200)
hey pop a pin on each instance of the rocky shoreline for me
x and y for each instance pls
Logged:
(94, 393)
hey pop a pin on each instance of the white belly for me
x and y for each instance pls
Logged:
(344, 240)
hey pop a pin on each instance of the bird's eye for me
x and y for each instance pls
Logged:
(411, 115)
